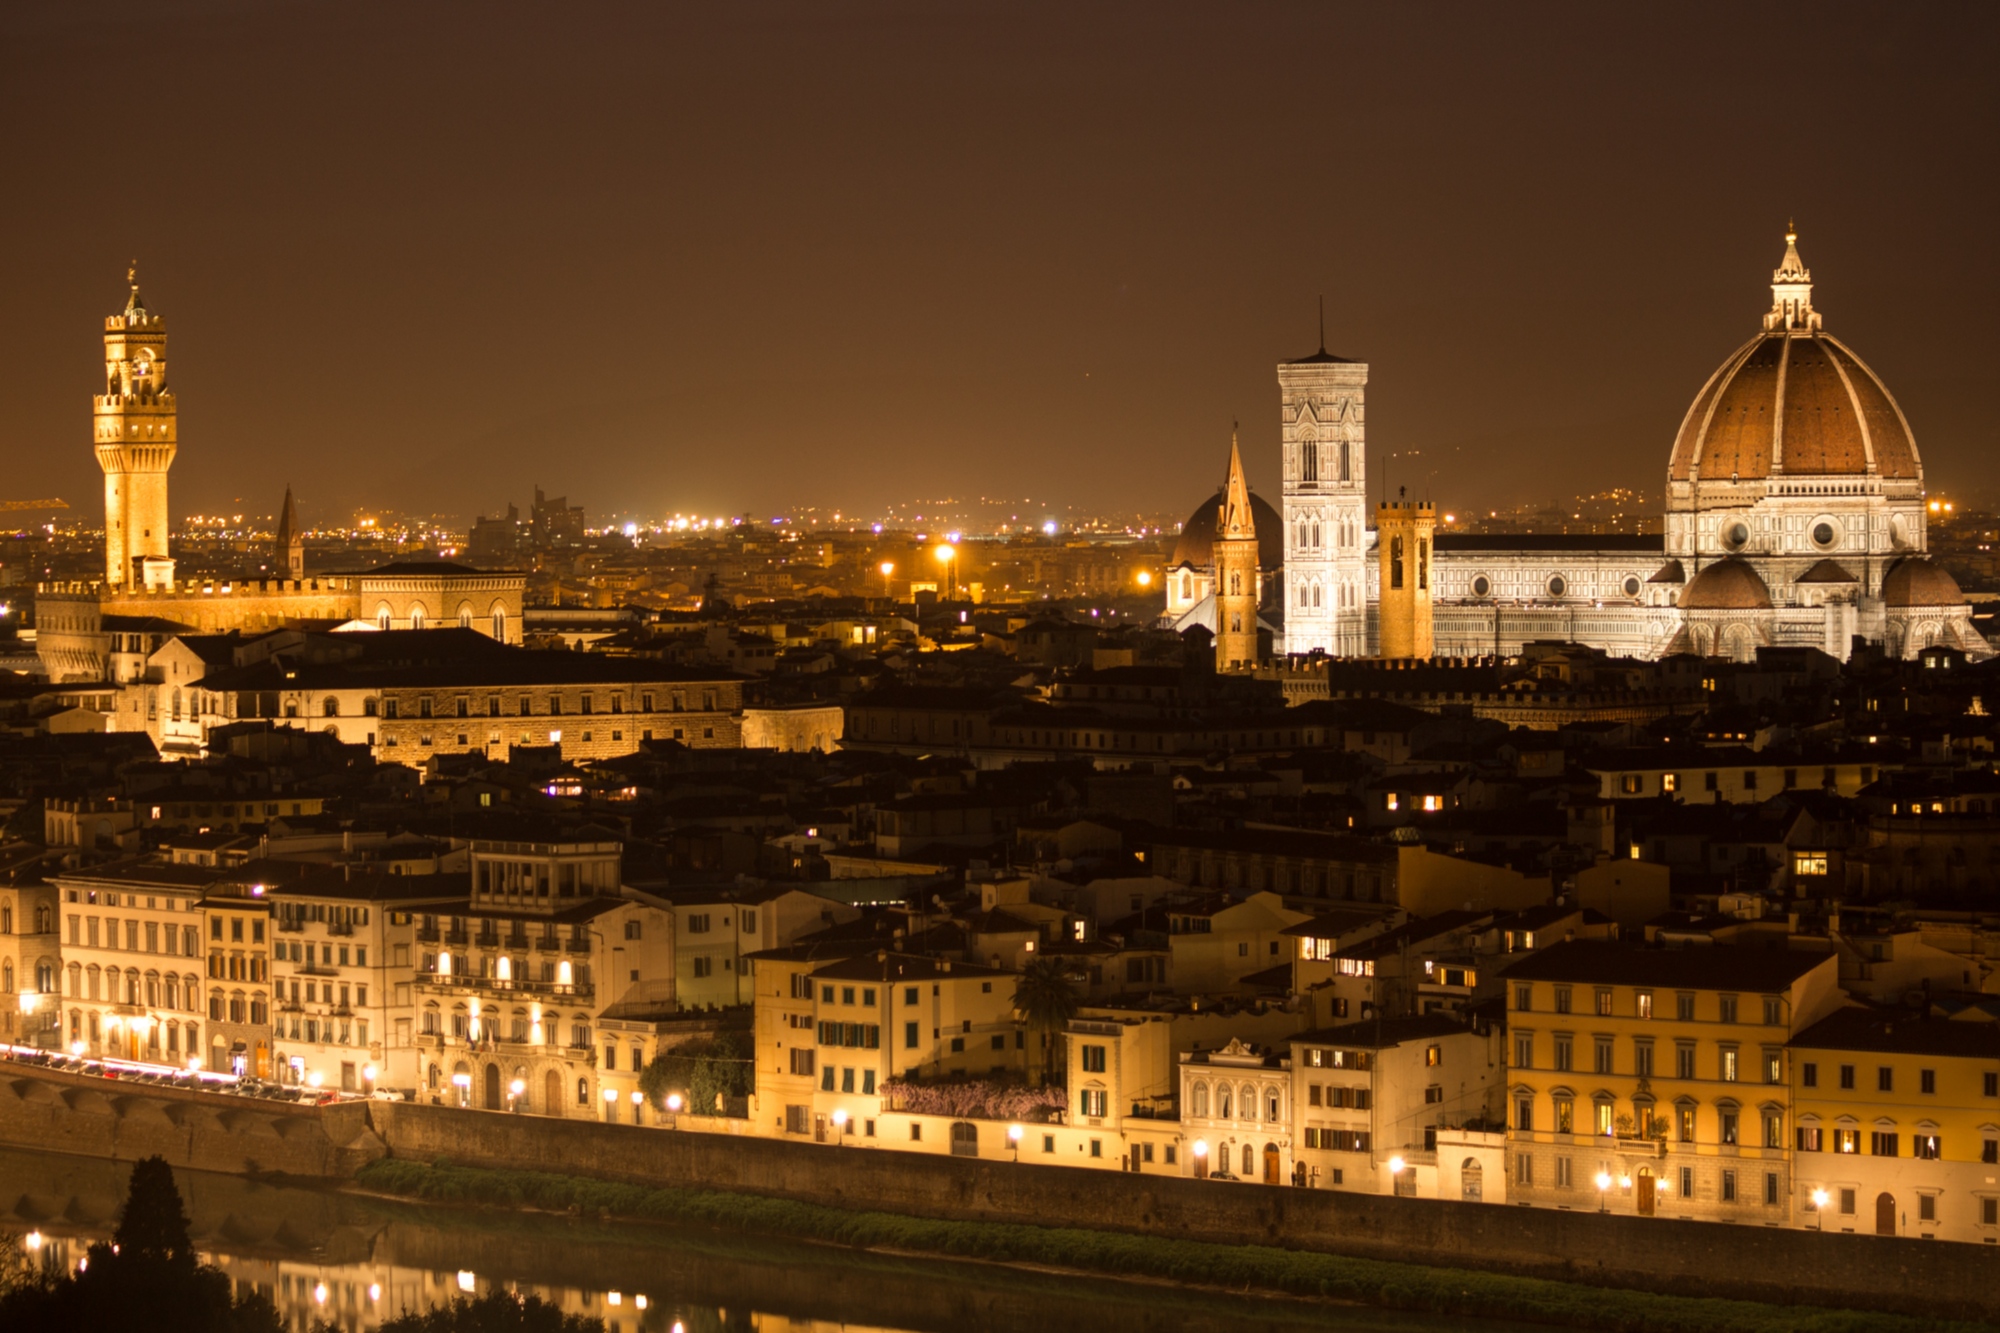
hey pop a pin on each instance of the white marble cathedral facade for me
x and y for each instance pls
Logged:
(1795, 517)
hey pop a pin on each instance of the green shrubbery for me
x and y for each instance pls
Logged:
(1395, 1285)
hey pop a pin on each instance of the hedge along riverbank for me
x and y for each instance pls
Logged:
(1415, 1287)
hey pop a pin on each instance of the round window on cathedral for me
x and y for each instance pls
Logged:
(1481, 585)
(1823, 533)
(1558, 585)
(1631, 585)
(1736, 535)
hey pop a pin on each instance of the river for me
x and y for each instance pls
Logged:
(358, 1261)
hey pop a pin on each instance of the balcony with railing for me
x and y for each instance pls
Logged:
(501, 987)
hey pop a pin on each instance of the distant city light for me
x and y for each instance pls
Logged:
(1049, 528)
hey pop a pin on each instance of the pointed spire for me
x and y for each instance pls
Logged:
(1322, 324)
(135, 304)
(1237, 520)
(1791, 289)
(288, 521)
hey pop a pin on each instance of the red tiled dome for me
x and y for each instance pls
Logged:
(1727, 585)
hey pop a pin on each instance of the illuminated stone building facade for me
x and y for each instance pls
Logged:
(1795, 518)
(136, 431)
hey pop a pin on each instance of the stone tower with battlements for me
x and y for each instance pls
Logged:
(136, 434)
(1235, 554)
(1403, 534)
(1322, 399)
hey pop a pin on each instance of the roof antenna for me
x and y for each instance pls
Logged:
(1322, 324)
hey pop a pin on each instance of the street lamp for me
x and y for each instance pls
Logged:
(638, 1100)
(514, 1090)
(839, 1127)
(673, 1110)
(947, 554)
(1201, 1159)
(1145, 578)
(1603, 1191)
(887, 567)
(1819, 1202)
(463, 1082)
(611, 1105)
(1014, 1133)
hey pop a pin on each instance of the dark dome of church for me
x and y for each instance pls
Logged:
(1727, 585)
(1197, 544)
(1920, 583)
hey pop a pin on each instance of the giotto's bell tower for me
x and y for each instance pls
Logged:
(135, 426)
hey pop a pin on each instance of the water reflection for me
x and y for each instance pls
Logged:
(357, 1262)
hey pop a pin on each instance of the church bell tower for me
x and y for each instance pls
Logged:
(136, 429)
(1235, 572)
(1322, 413)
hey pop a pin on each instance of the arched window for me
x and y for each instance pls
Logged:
(1346, 469)
(383, 620)
(1199, 1100)
(1187, 587)
(416, 617)
(1249, 1161)
(1471, 1180)
(1308, 461)
(7, 974)
(44, 921)
(331, 707)
(465, 617)
(1396, 562)
(1222, 1102)
(1247, 1106)
(500, 624)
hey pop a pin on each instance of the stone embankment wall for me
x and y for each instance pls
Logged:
(1656, 1254)
(54, 1111)
(51, 1111)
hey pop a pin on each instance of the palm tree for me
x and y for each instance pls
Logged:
(1045, 1002)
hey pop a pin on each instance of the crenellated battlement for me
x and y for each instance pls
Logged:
(195, 588)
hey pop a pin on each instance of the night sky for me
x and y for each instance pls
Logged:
(740, 256)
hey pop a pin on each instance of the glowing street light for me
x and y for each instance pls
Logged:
(1145, 578)
(839, 1126)
(947, 555)
(1603, 1191)
(1014, 1133)
(514, 1090)
(1819, 1201)
(1201, 1159)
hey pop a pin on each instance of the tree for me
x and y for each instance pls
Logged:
(1046, 1002)
(708, 1072)
(495, 1312)
(152, 1225)
(147, 1278)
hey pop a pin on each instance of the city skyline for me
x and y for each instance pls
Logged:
(1076, 302)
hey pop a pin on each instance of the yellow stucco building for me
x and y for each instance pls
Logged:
(1655, 1081)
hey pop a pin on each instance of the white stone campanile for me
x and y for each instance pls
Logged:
(1322, 401)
